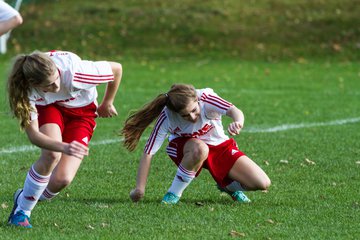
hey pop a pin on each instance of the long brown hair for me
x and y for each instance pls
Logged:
(176, 99)
(28, 71)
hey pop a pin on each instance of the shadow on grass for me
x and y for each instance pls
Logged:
(126, 200)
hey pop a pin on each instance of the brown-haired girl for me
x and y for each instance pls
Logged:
(54, 95)
(191, 118)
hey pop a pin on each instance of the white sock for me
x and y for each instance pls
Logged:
(235, 186)
(182, 179)
(48, 195)
(33, 187)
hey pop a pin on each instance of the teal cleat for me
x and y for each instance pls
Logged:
(170, 199)
(18, 219)
(237, 196)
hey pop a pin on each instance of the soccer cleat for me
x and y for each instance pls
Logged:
(237, 196)
(16, 196)
(170, 199)
(19, 219)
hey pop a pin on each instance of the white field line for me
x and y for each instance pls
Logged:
(284, 127)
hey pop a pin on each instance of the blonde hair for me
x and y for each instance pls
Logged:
(28, 71)
(176, 99)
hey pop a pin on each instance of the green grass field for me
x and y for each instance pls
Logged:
(302, 122)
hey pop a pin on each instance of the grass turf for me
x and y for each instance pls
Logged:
(281, 62)
(313, 201)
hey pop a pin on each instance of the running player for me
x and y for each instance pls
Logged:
(192, 119)
(54, 95)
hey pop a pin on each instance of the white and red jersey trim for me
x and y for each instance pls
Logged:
(156, 133)
(78, 81)
(208, 127)
(215, 100)
(92, 79)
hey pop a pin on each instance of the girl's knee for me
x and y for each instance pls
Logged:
(51, 157)
(264, 183)
(63, 181)
(47, 161)
(199, 150)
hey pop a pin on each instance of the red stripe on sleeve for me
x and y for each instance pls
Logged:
(154, 133)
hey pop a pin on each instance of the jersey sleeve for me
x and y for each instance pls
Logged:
(157, 135)
(89, 74)
(33, 113)
(215, 106)
(6, 11)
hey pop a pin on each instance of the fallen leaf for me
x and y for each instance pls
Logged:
(336, 47)
(224, 194)
(284, 161)
(270, 221)
(90, 227)
(267, 71)
(309, 162)
(357, 162)
(103, 206)
(105, 224)
(236, 234)
(301, 60)
(4, 206)
(199, 204)
(266, 162)
(55, 224)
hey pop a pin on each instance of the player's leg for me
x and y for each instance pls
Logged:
(194, 153)
(245, 175)
(63, 174)
(251, 177)
(80, 130)
(36, 180)
(233, 171)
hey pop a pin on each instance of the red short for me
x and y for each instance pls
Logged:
(75, 123)
(220, 160)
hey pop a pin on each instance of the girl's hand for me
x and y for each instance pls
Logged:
(136, 195)
(76, 149)
(106, 110)
(234, 128)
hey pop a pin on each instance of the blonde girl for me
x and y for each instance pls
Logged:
(53, 95)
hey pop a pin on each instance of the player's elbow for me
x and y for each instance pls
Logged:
(19, 19)
(116, 68)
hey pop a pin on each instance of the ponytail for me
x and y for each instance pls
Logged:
(18, 89)
(176, 100)
(138, 121)
(28, 71)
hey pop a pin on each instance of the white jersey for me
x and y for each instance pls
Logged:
(78, 81)
(6, 11)
(207, 128)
